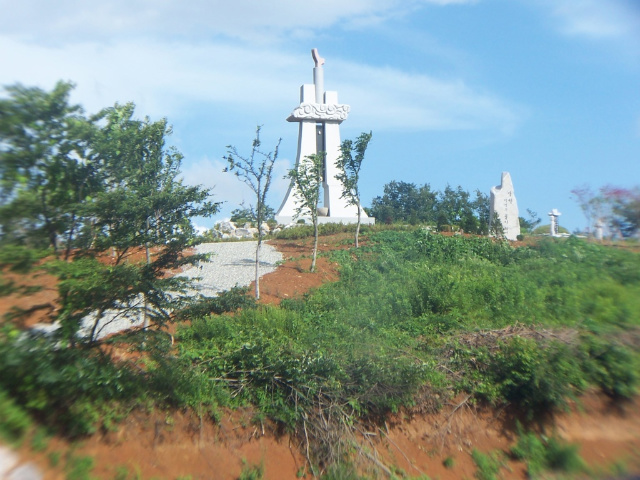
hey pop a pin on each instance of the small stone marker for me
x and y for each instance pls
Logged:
(505, 207)
(599, 230)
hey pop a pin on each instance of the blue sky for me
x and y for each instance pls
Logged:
(454, 91)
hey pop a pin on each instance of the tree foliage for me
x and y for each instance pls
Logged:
(349, 172)
(613, 208)
(530, 224)
(46, 167)
(100, 186)
(255, 171)
(406, 202)
(245, 214)
(307, 178)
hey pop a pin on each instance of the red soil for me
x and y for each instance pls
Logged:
(170, 445)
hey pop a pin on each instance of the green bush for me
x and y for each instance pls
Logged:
(342, 471)
(228, 301)
(535, 378)
(542, 454)
(19, 258)
(14, 421)
(79, 468)
(252, 472)
(488, 465)
(62, 386)
(612, 367)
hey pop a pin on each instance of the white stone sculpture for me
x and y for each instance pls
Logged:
(553, 216)
(319, 116)
(504, 207)
(599, 230)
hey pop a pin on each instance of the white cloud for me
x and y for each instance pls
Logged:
(66, 21)
(389, 98)
(595, 18)
(175, 79)
(209, 173)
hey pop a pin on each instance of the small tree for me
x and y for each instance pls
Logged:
(624, 209)
(255, 171)
(495, 227)
(141, 202)
(530, 224)
(591, 204)
(307, 178)
(349, 171)
(46, 170)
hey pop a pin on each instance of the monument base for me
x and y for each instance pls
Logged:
(282, 220)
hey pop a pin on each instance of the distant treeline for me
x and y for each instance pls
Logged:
(408, 203)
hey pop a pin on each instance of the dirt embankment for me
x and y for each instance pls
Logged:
(178, 444)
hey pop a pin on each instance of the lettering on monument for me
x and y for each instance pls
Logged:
(504, 206)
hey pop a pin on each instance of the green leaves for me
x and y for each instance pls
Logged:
(255, 171)
(107, 184)
(349, 171)
(349, 166)
(306, 178)
(448, 210)
(44, 164)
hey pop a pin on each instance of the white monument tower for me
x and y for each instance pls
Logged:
(320, 116)
(553, 216)
(503, 205)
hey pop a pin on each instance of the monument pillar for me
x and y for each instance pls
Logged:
(503, 206)
(319, 116)
(553, 216)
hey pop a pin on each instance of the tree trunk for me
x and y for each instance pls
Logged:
(67, 252)
(358, 224)
(259, 221)
(258, 265)
(145, 323)
(94, 328)
(315, 245)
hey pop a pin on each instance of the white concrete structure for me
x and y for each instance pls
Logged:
(599, 230)
(553, 216)
(504, 206)
(319, 116)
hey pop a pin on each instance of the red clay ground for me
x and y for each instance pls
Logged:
(170, 446)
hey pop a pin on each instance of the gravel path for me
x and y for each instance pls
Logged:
(230, 264)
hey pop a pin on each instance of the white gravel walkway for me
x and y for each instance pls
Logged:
(230, 264)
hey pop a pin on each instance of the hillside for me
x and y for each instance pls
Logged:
(406, 375)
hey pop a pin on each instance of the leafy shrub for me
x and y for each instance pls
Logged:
(536, 380)
(612, 367)
(66, 387)
(14, 421)
(19, 258)
(341, 471)
(563, 457)
(252, 472)
(228, 301)
(40, 440)
(488, 465)
(79, 468)
(541, 454)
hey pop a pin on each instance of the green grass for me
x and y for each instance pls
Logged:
(251, 472)
(547, 454)
(14, 421)
(528, 327)
(488, 466)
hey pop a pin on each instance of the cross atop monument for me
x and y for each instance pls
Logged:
(319, 116)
